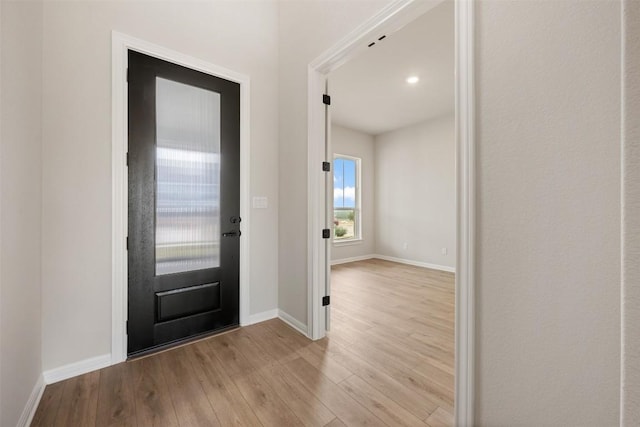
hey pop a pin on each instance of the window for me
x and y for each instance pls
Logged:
(346, 198)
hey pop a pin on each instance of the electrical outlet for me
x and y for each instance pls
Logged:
(405, 245)
(444, 251)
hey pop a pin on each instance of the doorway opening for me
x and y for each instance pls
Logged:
(321, 188)
(392, 137)
(121, 46)
(184, 204)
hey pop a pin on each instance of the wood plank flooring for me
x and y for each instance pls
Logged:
(388, 361)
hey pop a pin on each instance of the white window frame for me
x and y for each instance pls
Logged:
(358, 199)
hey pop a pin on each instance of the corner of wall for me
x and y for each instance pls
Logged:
(31, 406)
(21, 28)
(1, 147)
(630, 295)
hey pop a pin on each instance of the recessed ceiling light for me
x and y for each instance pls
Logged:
(413, 80)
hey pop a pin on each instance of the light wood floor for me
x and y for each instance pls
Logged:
(387, 361)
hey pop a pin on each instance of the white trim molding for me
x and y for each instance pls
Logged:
(261, 317)
(32, 404)
(394, 259)
(78, 368)
(352, 259)
(416, 263)
(316, 204)
(121, 44)
(293, 322)
(466, 217)
(390, 19)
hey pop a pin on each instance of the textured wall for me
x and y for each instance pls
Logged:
(20, 205)
(548, 267)
(631, 216)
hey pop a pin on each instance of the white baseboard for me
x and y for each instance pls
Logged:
(293, 322)
(261, 317)
(32, 404)
(416, 263)
(352, 259)
(78, 368)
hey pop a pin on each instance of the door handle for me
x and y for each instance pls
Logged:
(234, 233)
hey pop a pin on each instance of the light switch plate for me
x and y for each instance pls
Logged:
(260, 202)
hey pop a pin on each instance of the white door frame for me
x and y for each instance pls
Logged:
(390, 19)
(121, 44)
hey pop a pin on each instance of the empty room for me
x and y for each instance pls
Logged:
(394, 215)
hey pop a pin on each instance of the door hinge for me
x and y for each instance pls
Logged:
(127, 158)
(326, 233)
(326, 300)
(326, 99)
(127, 242)
(127, 75)
(126, 327)
(326, 167)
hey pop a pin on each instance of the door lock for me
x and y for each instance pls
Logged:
(234, 233)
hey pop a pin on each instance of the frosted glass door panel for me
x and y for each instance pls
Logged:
(187, 178)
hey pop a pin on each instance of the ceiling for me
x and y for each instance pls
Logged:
(370, 92)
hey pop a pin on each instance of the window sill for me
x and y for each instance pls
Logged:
(347, 242)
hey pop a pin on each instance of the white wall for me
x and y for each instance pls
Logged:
(548, 281)
(415, 197)
(631, 217)
(548, 227)
(241, 36)
(20, 205)
(306, 30)
(354, 143)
